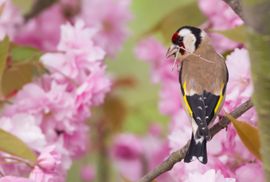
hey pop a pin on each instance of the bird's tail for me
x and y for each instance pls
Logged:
(197, 149)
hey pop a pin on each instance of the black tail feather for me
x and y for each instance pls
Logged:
(198, 150)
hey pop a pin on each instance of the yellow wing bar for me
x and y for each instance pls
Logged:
(185, 99)
(220, 99)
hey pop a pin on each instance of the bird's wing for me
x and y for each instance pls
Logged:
(202, 107)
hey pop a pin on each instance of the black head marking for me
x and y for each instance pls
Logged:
(196, 32)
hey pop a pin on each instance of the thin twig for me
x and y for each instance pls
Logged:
(178, 155)
(236, 7)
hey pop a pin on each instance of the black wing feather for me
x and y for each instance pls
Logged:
(203, 110)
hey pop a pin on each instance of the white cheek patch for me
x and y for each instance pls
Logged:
(184, 32)
(189, 42)
(188, 39)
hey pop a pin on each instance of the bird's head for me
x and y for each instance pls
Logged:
(186, 40)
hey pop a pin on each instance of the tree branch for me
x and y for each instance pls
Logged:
(178, 155)
(236, 7)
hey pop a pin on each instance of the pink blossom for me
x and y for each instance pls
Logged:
(62, 101)
(208, 176)
(49, 160)
(239, 89)
(239, 84)
(78, 40)
(87, 173)
(18, 124)
(126, 154)
(111, 18)
(38, 175)
(156, 149)
(93, 90)
(153, 52)
(220, 21)
(180, 130)
(10, 19)
(130, 169)
(126, 147)
(77, 142)
(41, 33)
(170, 98)
(48, 166)
(55, 106)
(222, 43)
(14, 179)
(250, 172)
(80, 58)
(219, 14)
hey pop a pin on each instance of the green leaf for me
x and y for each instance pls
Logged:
(238, 34)
(15, 77)
(14, 146)
(4, 47)
(248, 134)
(188, 14)
(24, 54)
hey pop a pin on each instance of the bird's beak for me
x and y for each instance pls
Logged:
(173, 49)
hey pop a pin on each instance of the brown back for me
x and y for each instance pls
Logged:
(200, 75)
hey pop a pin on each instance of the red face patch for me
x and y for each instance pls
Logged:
(176, 39)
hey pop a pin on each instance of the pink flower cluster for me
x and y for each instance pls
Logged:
(10, 18)
(53, 109)
(109, 17)
(228, 19)
(133, 156)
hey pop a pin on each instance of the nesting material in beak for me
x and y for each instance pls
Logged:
(173, 51)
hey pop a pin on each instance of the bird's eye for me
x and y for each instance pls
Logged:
(176, 39)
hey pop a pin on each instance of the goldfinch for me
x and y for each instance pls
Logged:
(203, 77)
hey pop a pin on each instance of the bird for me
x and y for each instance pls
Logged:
(203, 76)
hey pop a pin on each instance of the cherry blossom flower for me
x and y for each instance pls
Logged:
(225, 20)
(39, 32)
(14, 179)
(111, 18)
(250, 172)
(208, 176)
(126, 155)
(10, 19)
(48, 166)
(18, 124)
(78, 40)
(240, 76)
